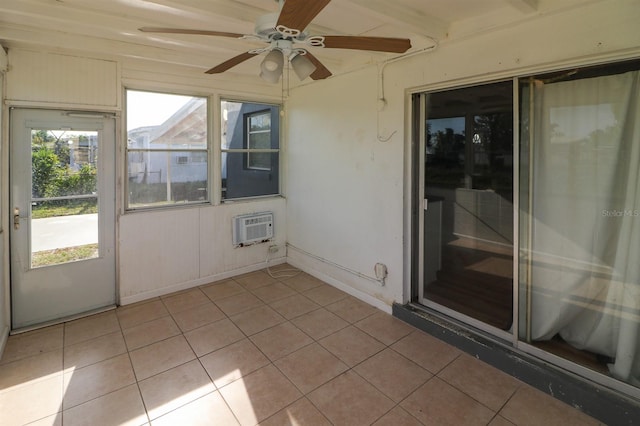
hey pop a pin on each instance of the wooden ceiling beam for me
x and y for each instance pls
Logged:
(525, 6)
(405, 18)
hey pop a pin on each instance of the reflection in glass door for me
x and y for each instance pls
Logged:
(468, 203)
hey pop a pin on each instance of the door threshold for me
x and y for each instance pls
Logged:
(62, 320)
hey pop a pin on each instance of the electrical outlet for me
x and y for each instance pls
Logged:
(273, 249)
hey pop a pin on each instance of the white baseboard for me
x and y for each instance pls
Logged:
(139, 297)
(326, 272)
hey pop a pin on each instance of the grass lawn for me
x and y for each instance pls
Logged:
(71, 207)
(64, 255)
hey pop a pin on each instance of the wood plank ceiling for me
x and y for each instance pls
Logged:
(110, 28)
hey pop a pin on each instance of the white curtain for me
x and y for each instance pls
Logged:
(585, 217)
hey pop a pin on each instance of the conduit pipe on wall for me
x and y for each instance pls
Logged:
(382, 102)
(380, 281)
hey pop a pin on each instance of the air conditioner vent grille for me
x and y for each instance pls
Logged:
(252, 228)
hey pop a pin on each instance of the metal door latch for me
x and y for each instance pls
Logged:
(16, 218)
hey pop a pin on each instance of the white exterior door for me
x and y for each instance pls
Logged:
(63, 214)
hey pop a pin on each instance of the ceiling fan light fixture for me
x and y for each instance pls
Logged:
(270, 76)
(302, 66)
(274, 61)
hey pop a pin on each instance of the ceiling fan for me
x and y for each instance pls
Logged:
(285, 30)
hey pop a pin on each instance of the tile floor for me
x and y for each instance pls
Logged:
(254, 349)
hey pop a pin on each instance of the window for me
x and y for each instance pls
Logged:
(258, 138)
(250, 146)
(167, 149)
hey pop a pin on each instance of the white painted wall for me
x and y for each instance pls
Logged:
(348, 193)
(345, 188)
(169, 250)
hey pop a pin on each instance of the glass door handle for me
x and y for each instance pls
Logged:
(16, 218)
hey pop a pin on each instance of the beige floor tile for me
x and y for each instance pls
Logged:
(213, 336)
(351, 309)
(95, 350)
(32, 343)
(281, 340)
(352, 345)
(141, 313)
(150, 332)
(350, 400)
(53, 420)
(272, 292)
(188, 299)
(397, 417)
(31, 401)
(427, 351)
(198, 316)
(325, 295)
(393, 374)
(384, 327)
(310, 367)
(222, 289)
(283, 268)
(160, 356)
(500, 421)
(257, 320)
(239, 303)
(480, 381)
(294, 306)
(319, 323)
(301, 412)
(233, 362)
(174, 388)
(259, 395)
(254, 280)
(122, 407)
(529, 406)
(303, 282)
(30, 369)
(209, 410)
(437, 403)
(90, 327)
(84, 384)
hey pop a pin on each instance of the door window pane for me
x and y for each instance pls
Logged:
(64, 196)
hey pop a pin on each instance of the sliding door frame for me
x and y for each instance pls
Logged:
(509, 339)
(418, 182)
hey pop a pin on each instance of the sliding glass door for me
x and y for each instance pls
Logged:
(580, 217)
(570, 175)
(468, 203)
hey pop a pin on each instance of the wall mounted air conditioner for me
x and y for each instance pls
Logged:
(252, 228)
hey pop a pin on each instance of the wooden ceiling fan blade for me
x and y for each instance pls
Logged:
(379, 44)
(321, 71)
(231, 63)
(297, 14)
(163, 30)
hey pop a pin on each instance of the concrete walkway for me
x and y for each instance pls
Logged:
(64, 231)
